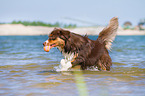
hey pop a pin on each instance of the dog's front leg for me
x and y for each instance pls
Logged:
(77, 61)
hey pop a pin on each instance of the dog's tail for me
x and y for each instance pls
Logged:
(107, 35)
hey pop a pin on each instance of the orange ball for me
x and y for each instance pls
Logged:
(46, 48)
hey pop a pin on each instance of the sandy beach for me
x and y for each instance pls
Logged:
(19, 29)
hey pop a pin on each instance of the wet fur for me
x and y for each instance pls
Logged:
(90, 53)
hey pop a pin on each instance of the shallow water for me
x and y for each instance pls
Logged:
(26, 70)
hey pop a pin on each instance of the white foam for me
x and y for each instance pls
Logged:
(65, 64)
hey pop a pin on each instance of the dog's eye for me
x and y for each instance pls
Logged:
(52, 38)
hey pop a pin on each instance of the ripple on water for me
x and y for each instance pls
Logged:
(46, 85)
(30, 70)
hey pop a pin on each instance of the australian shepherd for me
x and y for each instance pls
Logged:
(83, 51)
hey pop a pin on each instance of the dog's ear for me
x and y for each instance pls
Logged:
(64, 34)
(60, 32)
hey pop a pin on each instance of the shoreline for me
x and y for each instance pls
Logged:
(21, 30)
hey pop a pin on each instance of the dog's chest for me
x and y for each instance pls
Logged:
(65, 63)
(67, 56)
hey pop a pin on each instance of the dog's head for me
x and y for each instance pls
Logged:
(57, 38)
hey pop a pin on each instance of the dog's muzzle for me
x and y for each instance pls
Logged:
(46, 46)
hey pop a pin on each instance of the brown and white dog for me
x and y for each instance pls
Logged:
(83, 51)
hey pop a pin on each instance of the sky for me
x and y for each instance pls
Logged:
(80, 12)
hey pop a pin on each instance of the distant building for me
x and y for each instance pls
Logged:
(141, 24)
(127, 25)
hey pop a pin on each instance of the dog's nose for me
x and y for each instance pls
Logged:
(44, 43)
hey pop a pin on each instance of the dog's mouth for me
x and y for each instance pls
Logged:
(52, 45)
(48, 47)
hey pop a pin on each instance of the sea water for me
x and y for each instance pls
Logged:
(27, 70)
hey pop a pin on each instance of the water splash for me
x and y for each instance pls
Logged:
(65, 64)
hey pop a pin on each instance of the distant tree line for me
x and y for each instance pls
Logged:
(39, 23)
